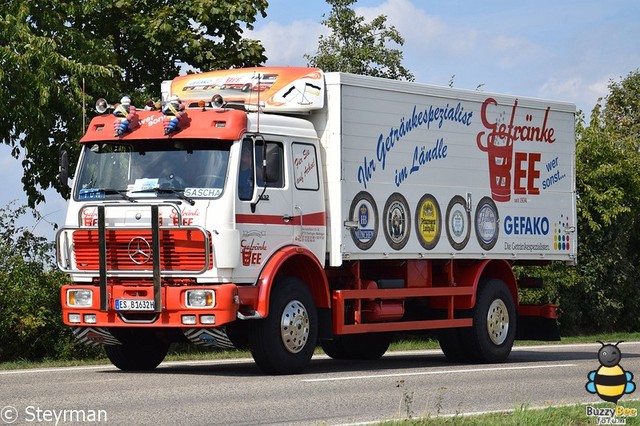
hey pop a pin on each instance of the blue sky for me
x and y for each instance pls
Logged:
(564, 50)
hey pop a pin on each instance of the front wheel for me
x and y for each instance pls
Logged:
(494, 323)
(137, 356)
(283, 342)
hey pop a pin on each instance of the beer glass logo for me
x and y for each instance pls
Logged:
(498, 144)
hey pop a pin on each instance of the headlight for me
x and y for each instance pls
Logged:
(200, 299)
(79, 298)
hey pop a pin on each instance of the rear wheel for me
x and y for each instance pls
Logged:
(357, 346)
(284, 341)
(137, 356)
(494, 323)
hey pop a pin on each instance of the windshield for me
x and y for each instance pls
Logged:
(196, 169)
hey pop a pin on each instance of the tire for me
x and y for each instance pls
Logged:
(334, 348)
(357, 346)
(137, 356)
(494, 323)
(283, 342)
(452, 343)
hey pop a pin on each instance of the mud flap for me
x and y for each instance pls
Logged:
(94, 336)
(538, 322)
(209, 337)
(538, 328)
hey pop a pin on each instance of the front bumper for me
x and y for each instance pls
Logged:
(174, 312)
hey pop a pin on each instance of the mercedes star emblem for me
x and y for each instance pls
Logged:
(139, 250)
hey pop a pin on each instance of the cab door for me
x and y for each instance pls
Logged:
(263, 204)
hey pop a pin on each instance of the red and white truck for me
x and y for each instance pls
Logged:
(324, 208)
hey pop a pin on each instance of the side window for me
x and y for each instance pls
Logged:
(245, 174)
(275, 165)
(305, 166)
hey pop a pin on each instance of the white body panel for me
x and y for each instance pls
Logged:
(483, 178)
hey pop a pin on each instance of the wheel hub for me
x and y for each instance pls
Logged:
(498, 322)
(294, 326)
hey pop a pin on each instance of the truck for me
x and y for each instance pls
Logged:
(321, 208)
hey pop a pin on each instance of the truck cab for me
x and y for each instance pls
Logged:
(167, 233)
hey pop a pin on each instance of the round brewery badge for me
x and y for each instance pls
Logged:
(364, 212)
(397, 221)
(428, 221)
(458, 222)
(487, 228)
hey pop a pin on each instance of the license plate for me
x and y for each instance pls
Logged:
(134, 305)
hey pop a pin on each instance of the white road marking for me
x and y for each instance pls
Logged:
(112, 368)
(427, 373)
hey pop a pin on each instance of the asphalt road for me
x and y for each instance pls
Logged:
(234, 392)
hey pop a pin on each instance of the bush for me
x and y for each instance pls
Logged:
(31, 325)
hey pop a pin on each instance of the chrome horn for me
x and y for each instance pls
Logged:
(103, 106)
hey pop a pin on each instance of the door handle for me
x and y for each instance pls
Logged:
(287, 218)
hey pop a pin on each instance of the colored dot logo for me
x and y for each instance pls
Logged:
(561, 240)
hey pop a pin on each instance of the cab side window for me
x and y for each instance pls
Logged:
(275, 165)
(305, 166)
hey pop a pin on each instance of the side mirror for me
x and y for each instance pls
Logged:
(63, 168)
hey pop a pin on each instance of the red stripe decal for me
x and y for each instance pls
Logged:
(311, 219)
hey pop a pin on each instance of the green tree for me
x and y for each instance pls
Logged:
(48, 48)
(30, 323)
(608, 183)
(600, 294)
(357, 46)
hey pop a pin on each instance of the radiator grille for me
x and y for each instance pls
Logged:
(130, 250)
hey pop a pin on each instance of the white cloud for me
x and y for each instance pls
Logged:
(286, 44)
(583, 93)
(421, 31)
(561, 89)
(414, 24)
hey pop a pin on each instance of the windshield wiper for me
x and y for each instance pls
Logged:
(180, 194)
(101, 192)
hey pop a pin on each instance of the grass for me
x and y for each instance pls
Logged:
(415, 344)
(574, 415)
(191, 353)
